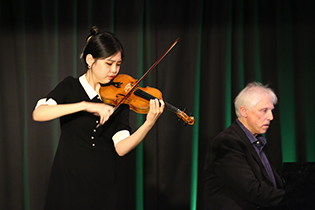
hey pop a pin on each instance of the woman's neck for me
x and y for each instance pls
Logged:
(91, 80)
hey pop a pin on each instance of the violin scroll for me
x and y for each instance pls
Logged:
(190, 120)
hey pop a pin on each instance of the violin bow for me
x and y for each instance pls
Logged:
(145, 74)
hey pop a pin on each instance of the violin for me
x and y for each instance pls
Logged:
(124, 89)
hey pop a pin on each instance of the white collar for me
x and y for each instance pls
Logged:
(87, 87)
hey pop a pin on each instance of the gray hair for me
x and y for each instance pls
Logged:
(251, 95)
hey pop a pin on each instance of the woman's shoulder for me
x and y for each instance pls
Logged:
(67, 90)
(70, 79)
(67, 83)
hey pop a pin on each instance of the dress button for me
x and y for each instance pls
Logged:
(92, 137)
(94, 130)
(93, 145)
(96, 121)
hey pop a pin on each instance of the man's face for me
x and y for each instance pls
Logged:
(259, 117)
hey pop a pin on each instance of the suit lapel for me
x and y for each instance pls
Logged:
(243, 136)
(276, 175)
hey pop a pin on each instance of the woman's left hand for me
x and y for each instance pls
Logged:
(156, 109)
(129, 143)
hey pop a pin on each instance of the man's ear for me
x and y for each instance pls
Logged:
(243, 111)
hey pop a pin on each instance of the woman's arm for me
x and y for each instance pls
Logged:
(129, 143)
(50, 112)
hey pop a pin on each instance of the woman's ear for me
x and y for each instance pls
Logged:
(89, 60)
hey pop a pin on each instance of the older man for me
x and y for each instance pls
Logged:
(239, 170)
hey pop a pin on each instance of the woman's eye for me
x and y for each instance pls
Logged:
(109, 64)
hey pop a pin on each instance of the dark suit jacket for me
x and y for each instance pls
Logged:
(235, 177)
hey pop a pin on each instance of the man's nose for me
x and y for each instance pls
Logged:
(270, 115)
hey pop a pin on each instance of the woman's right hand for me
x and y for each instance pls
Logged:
(102, 110)
(50, 112)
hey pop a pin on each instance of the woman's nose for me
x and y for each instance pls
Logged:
(114, 68)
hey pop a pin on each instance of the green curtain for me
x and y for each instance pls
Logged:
(223, 45)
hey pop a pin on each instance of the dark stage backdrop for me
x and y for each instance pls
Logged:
(223, 45)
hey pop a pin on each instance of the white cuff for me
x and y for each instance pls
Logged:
(44, 101)
(120, 135)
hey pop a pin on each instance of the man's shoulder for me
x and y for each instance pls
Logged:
(233, 134)
(232, 130)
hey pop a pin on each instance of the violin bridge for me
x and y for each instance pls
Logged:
(128, 87)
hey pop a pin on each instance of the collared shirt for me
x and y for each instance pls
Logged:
(88, 88)
(259, 144)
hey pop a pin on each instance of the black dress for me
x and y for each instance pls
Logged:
(83, 174)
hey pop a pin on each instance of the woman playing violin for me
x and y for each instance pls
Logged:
(92, 133)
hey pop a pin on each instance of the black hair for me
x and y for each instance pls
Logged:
(101, 45)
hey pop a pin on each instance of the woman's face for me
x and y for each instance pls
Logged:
(104, 70)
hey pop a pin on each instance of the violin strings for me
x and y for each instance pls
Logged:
(147, 96)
